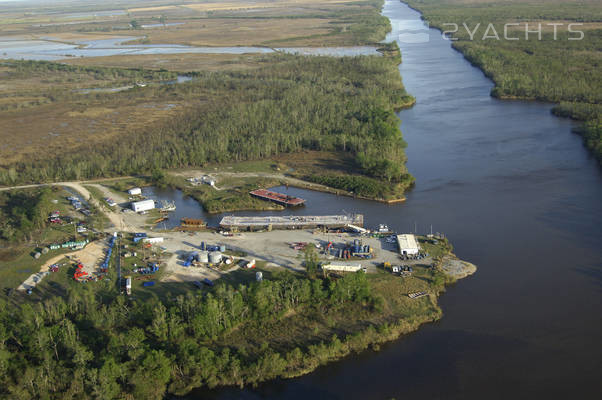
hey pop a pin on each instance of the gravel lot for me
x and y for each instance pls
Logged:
(272, 247)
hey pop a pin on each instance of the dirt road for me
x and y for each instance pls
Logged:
(88, 256)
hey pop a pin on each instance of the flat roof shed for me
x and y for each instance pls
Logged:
(408, 245)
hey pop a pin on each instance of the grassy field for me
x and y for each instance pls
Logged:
(272, 23)
(44, 110)
(555, 68)
(16, 254)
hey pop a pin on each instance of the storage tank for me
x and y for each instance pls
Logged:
(258, 276)
(204, 256)
(215, 257)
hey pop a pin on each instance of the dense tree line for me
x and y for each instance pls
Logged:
(294, 103)
(363, 185)
(553, 69)
(86, 347)
(23, 212)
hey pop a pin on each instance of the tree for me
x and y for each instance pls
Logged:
(151, 377)
(311, 260)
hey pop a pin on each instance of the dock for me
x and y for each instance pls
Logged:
(291, 222)
(276, 197)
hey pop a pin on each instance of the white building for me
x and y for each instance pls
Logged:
(408, 246)
(144, 205)
(135, 191)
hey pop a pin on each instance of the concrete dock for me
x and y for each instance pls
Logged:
(291, 222)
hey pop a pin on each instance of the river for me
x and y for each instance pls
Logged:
(518, 195)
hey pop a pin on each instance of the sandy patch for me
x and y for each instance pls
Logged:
(88, 257)
(457, 269)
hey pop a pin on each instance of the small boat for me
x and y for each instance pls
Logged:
(382, 228)
(167, 205)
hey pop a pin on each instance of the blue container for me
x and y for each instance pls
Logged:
(151, 283)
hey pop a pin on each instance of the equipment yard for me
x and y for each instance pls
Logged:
(194, 253)
(271, 249)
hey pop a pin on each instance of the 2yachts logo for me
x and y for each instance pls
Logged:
(417, 31)
(514, 31)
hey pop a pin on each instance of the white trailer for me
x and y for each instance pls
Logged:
(128, 285)
(342, 267)
(143, 205)
(135, 191)
(153, 240)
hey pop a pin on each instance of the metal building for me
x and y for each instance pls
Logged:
(143, 205)
(408, 245)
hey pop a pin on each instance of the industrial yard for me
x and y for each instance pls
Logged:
(138, 249)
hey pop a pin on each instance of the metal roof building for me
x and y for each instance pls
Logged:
(408, 245)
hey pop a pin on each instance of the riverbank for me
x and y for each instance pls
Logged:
(555, 66)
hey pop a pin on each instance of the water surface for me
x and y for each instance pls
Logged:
(50, 49)
(518, 195)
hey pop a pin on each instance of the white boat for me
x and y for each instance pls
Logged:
(167, 205)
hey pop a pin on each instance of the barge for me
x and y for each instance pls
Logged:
(276, 197)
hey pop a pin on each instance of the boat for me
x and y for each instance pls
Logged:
(167, 206)
(383, 229)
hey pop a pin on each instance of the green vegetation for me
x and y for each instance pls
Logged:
(25, 230)
(23, 213)
(94, 342)
(297, 103)
(365, 186)
(560, 71)
(237, 199)
(57, 81)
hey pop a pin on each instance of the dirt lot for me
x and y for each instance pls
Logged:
(274, 248)
(88, 257)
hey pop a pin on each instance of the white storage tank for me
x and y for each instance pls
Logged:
(204, 256)
(215, 257)
(135, 191)
(258, 276)
(143, 205)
